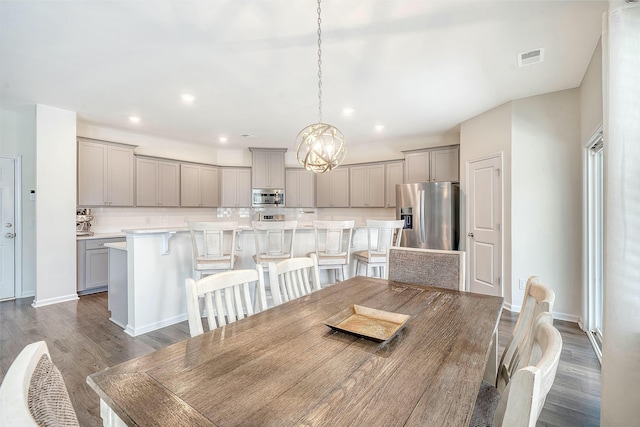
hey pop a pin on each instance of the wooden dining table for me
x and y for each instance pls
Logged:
(285, 366)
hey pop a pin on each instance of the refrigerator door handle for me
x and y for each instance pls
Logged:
(421, 218)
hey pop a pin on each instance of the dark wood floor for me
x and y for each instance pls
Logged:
(82, 341)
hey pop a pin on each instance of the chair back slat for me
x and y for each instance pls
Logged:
(227, 298)
(293, 278)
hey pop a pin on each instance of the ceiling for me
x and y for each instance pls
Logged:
(419, 68)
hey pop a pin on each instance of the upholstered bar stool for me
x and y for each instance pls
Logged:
(214, 245)
(381, 235)
(333, 245)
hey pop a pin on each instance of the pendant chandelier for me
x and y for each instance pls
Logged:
(320, 146)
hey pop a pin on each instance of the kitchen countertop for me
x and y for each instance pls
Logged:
(102, 236)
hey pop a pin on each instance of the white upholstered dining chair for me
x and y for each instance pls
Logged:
(333, 245)
(227, 298)
(214, 245)
(427, 267)
(522, 400)
(293, 278)
(33, 392)
(381, 235)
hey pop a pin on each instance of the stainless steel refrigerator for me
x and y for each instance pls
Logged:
(431, 214)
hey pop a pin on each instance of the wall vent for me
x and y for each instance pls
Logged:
(531, 57)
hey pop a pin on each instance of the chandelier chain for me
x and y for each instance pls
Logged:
(319, 65)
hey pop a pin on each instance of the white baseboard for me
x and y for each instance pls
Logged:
(556, 315)
(41, 303)
(135, 331)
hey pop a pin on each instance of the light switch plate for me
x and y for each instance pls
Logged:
(523, 284)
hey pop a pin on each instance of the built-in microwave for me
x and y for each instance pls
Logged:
(267, 197)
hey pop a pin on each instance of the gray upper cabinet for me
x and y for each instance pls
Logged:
(267, 167)
(394, 174)
(367, 186)
(299, 189)
(437, 164)
(332, 189)
(235, 187)
(105, 174)
(157, 182)
(199, 185)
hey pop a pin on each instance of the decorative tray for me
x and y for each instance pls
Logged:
(366, 322)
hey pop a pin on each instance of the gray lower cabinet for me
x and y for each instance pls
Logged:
(93, 264)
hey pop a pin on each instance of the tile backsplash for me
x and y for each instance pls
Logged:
(114, 220)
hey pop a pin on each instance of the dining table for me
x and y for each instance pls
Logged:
(294, 365)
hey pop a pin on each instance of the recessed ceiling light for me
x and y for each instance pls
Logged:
(187, 97)
(347, 111)
(223, 139)
(379, 128)
(134, 119)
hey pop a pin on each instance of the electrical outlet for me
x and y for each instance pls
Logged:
(523, 284)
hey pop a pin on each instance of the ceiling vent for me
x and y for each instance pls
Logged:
(531, 57)
(248, 135)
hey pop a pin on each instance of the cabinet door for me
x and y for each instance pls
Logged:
(189, 185)
(394, 176)
(243, 188)
(416, 167)
(359, 186)
(92, 174)
(323, 190)
(169, 184)
(340, 188)
(120, 176)
(228, 185)
(306, 189)
(209, 186)
(375, 183)
(276, 169)
(445, 164)
(146, 182)
(260, 169)
(96, 268)
(292, 189)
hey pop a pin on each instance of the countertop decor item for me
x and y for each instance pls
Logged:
(320, 146)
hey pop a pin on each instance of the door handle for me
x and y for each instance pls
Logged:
(470, 235)
(10, 235)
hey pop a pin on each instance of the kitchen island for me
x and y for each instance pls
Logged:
(158, 260)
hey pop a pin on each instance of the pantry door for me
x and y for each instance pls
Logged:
(484, 228)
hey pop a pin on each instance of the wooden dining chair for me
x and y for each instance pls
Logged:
(520, 403)
(333, 245)
(33, 392)
(214, 245)
(227, 298)
(427, 267)
(293, 278)
(381, 235)
(537, 299)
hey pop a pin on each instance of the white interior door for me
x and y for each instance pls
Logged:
(7, 228)
(485, 226)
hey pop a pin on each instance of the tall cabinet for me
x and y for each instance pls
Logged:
(267, 167)
(105, 173)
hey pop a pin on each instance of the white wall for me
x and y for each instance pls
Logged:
(591, 96)
(482, 136)
(546, 201)
(18, 138)
(55, 205)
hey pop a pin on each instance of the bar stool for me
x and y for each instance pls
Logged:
(381, 235)
(214, 245)
(333, 245)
